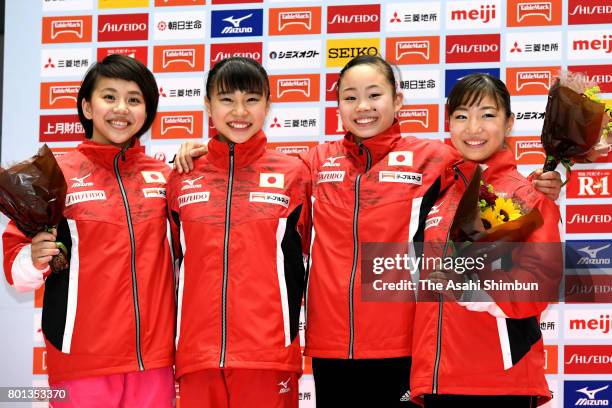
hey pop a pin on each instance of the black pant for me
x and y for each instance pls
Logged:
(480, 401)
(379, 383)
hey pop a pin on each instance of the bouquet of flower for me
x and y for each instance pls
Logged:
(577, 123)
(32, 194)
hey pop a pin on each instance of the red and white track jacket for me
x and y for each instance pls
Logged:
(379, 190)
(113, 311)
(489, 348)
(242, 277)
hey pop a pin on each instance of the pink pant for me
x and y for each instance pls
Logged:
(142, 389)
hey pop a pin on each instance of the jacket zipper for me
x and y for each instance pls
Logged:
(128, 216)
(228, 205)
(355, 251)
(441, 303)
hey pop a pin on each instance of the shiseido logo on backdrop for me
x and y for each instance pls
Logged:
(219, 52)
(588, 218)
(123, 27)
(600, 74)
(589, 12)
(472, 48)
(353, 18)
(588, 359)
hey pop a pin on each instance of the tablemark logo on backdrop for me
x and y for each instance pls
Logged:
(524, 13)
(472, 48)
(123, 27)
(418, 16)
(219, 52)
(69, 29)
(236, 23)
(294, 88)
(59, 95)
(294, 21)
(527, 149)
(530, 80)
(418, 118)
(178, 58)
(413, 50)
(178, 125)
(356, 18)
(140, 53)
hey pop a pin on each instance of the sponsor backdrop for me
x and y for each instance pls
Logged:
(303, 44)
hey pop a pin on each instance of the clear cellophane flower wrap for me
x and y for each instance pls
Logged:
(577, 124)
(33, 195)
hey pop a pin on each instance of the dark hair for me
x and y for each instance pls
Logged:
(117, 66)
(472, 88)
(238, 74)
(374, 60)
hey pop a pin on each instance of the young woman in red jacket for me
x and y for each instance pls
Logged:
(488, 353)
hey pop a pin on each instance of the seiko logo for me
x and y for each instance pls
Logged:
(91, 195)
(472, 48)
(587, 360)
(80, 182)
(330, 176)
(602, 324)
(125, 27)
(186, 55)
(605, 44)
(590, 186)
(589, 10)
(352, 19)
(352, 52)
(177, 122)
(300, 85)
(412, 47)
(67, 26)
(332, 161)
(294, 17)
(486, 13)
(270, 198)
(191, 183)
(192, 198)
(543, 9)
(590, 219)
(235, 28)
(525, 78)
(223, 55)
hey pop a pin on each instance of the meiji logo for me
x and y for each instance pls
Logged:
(80, 182)
(330, 176)
(400, 177)
(591, 397)
(526, 78)
(192, 198)
(123, 27)
(284, 386)
(169, 122)
(154, 192)
(472, 48)
(543, 9)
(353, 18)
(186, 55)
(485, 13)
(235, 25)
(602, 324)
(288, 18)
(299, 85)
(191, 183)
(599, 44)
(153, 176)
(219, 52)
(589, 12)
(90, 195)
(270, 198)
(333, 161)
(420, 116)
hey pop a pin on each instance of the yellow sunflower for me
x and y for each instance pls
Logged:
(490, 218)
(506, 209)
